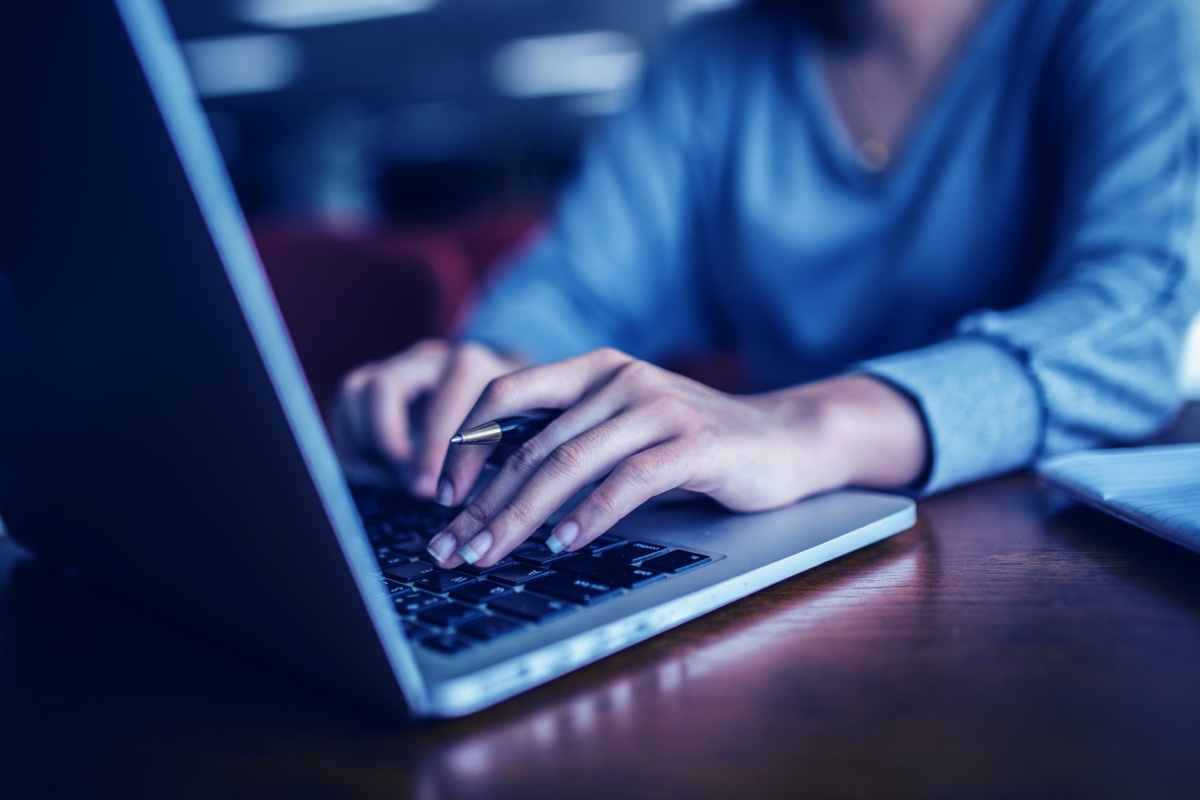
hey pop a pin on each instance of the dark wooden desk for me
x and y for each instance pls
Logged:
(1002, 647)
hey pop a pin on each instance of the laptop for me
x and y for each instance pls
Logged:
(1156, 487)
(157, 435)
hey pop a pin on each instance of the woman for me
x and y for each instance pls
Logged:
(975, 216)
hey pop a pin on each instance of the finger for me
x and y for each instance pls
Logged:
(339, 424)
(516, 470)
(553, 442)
(347, 428)
(377, 399)
(388, 398)
(543, 484)
(456, 393)
(352, 438)
(561, 384)
(634, 481)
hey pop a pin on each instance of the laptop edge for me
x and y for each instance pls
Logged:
(326, 635)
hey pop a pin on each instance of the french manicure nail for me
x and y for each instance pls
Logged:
(475, 549)
(441, 547)
(445, 493)
(563, 536)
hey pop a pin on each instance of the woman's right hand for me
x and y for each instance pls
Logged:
(383, 434)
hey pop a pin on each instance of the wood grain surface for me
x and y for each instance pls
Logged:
(1008, 645)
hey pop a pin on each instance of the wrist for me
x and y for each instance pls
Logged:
(883, 431)
(858, 429)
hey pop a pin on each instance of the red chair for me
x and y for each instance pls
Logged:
(351, 298)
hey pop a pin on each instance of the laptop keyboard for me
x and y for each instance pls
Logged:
(451, 611)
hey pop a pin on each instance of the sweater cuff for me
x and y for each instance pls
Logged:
(983, 408)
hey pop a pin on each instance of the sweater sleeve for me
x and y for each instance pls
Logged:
(615, 267)
(1091, 357)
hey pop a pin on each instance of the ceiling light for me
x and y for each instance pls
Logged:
(310, 13)
(576, 63)
(228, 65)
(680, 10)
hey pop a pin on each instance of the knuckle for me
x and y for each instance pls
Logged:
(570, 457)
(707, 437)
(498, 392)
(636, 374)
(392, 390)
(703, 438)
(638, 472)
(610, 355)
(604, 504)
(475, 516)
(465, 357)
(526, 458)
(671, 407)
(520, 514)
(421, 347)
(632, 369)
(356, 380)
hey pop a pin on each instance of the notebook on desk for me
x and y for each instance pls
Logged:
(156, 432)
(1155, 488)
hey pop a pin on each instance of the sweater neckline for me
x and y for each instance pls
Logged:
(935, 105)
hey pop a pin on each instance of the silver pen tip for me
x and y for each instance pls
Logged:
(456, 439)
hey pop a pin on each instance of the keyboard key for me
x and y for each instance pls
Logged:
(536, 553)
(479, 592)
(529, 606)
(415, 631)
(572, 587)
(409, 572)
(634, 551)
(602, 543)
(448, 615)
(443, 581)
(445, 643)
(395, 588)
(390, 559)
(517, 574)
(486, 629)
(473, 570)
(676, 561)
(613, 573)
(417, 602)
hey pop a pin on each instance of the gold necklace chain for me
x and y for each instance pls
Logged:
(872, 149)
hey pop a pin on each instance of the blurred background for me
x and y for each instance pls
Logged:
(411, 112)
(389, 153)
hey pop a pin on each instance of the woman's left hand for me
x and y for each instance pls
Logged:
(641, 430)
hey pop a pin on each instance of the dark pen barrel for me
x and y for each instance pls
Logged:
(515, 430)
(508, 430)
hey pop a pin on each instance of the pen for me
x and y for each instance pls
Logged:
(508, 430)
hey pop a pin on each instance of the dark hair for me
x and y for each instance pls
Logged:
(839, 24)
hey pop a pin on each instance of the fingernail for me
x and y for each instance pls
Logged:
(475, 549)
(445, 493)
(441, 547)
(564, 535)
